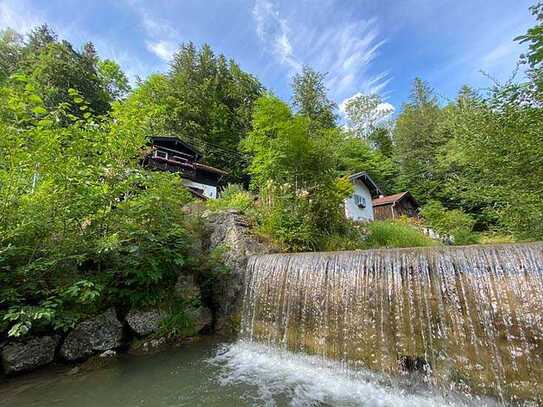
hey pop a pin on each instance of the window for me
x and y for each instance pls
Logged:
(160, 154)
(359, 201)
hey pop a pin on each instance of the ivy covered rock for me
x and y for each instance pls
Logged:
(202, 319)
(186, 288)
(20, 357)
(98, 334)
(144, 323)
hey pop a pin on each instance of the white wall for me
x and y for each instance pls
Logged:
(210, 191)
(352, 211)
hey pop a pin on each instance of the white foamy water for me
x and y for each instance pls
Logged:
(287, 378)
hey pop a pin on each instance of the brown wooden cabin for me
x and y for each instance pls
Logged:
(174, 155)
(394, 206)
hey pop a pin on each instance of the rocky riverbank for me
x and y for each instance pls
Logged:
(116, 330)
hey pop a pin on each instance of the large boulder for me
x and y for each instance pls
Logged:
(144, 323)
(230, 231)
(98, 334)
(19, 357)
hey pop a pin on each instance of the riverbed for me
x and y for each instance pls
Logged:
(213, 373)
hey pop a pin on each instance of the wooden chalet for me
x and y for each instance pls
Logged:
(174, 155)
(394, 206)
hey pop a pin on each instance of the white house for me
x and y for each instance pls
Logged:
(359, 205)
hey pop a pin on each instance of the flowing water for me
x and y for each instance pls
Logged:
(343, 329)
(468, 319)
(215, 374)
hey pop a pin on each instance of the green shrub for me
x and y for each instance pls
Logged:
(454, 223)
(178, 321)
(395, 234)
(233, 197)
(83, 226)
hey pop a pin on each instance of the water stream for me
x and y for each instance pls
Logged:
(467, 319)
(396, 328)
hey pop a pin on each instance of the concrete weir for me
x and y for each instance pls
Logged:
(467, 318)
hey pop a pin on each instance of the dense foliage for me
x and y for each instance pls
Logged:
(294, 171)
(55, 67)
(205, 100)
(480, 154)
(83, 226)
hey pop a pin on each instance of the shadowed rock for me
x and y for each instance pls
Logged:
(144, 323)
(23, 356)
(97, 334)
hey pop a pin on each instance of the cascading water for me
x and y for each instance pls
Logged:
(471, 315)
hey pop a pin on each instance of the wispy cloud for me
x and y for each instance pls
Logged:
(18, 15)
(162, 37)
(273, 29)
(508, 49)
(344, 50)
(163, 49)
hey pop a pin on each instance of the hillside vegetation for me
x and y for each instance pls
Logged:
(83, 226)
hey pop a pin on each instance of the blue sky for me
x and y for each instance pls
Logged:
(363, 45)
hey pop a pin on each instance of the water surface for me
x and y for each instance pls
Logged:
(216, 374)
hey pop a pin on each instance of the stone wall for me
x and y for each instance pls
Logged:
(231, 232)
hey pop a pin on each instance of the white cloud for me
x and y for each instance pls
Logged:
(18, 15)
(271, 29)
(163, 49)
(497, 54)
(162, 37)
(345, 51)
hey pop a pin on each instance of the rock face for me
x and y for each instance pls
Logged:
(23, 356)
(144, 323)
(231, 231)
(201, 318)
(97, 334)
(186, 288)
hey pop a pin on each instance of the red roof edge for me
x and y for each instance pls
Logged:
(389, 199)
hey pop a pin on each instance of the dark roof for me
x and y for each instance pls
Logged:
(390, 199)
(209, 168)
(197, 193)
(177, 142)
(366, 179)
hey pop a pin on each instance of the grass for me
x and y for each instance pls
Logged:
(395, 234)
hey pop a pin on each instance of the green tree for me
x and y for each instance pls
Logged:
(493, 159)
(294, 171)
(356, 155)
(204, 99)
(365, 113)
(417, 139)
(56, 67)
(534, 37)
(83, 226)
(39, 38)
(113, 79)
(310, 98)
(11, 48)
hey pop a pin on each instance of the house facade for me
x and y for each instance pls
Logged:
(359, 206)
(174, 155)
(394, 206)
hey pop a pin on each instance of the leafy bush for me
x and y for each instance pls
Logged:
(454, 223)
(82, 226)
(233, 197)
(294, 171)
(395, 234)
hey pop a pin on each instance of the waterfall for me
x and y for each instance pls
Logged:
(469, 318)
